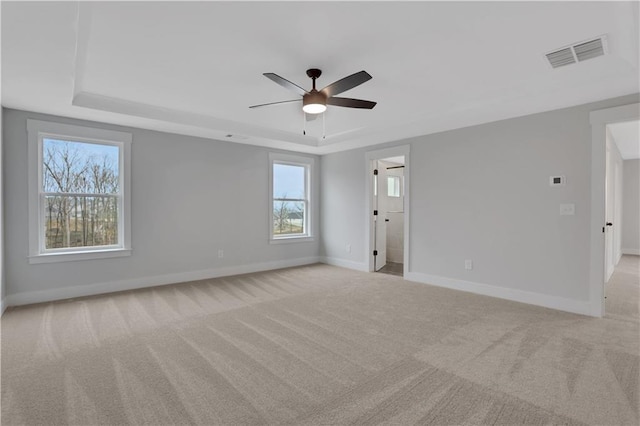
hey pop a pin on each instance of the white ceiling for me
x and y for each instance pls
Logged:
(195, 67)
(627, 137)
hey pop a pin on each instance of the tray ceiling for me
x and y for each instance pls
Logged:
(195, 67)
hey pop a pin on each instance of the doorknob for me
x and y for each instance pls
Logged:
(609, 224)
(386, 220)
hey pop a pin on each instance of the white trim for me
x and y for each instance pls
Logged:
(36, 131)
(530, 298)
(292, 239)
(599, 120)
(3, 306)
(309, 164)
(30, 297)
(631, 251)
(349, 264)
(370, 156)
(85, 255)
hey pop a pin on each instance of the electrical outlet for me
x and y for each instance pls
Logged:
(468, 264)
(348, 248)
(220, 254)
(567, 209)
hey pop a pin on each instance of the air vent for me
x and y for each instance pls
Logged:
(561, 58)
(589, 49)
(578, 52)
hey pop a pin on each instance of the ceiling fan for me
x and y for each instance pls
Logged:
(316, 101)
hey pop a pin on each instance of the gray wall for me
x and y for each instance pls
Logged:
(190, 198)
(482, 193)
(631, 207)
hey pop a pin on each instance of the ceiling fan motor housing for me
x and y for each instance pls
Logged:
(314, 98)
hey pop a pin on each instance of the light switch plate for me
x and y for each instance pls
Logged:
(567, 209)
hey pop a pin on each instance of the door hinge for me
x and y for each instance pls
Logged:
(375, 212)
(375, 172)
(375, 252)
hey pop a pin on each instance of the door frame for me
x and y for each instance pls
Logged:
(599, 120)
(370, 157)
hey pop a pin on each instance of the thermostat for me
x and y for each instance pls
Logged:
(557, 180)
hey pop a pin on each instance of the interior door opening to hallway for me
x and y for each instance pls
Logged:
(606, 195)
(388, 210)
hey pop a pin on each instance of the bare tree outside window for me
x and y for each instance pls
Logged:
(80, 189)
(289, 200)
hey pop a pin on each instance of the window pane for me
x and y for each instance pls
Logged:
(393, 186)
(288, 181)
(80, 221)
(79, 167)
(288, 217)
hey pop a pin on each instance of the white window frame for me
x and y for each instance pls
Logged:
(293, 160)
(37, 131)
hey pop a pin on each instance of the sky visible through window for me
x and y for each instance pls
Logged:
(66, 161)
(288, 181)
(87, 149)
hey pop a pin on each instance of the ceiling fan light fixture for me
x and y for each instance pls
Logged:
(314, 102)
(314, 108)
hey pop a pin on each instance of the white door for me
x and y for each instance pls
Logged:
(609, 216)
(381, 207)
(617, 214)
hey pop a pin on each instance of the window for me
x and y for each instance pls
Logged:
(79, 203)
(393, 186)
(290, 210)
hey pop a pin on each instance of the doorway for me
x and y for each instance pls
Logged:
(603, 175)
(622, 144)
(388, 210)
(388, 196)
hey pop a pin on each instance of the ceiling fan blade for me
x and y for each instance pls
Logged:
(351, 103)
(285, 83)
(275, 103)
(346, 83)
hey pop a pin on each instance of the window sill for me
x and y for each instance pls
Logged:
(83, 255)
(288, 240)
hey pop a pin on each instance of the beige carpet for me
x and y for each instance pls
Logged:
(316, 345)
(623, 290)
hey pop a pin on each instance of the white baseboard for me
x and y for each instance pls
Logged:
(531, 298)
(26, 298)
(631, 251)
(349, 264)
